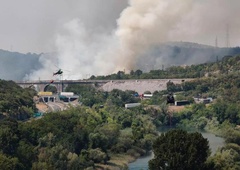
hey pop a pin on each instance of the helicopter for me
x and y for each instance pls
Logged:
(59, 72)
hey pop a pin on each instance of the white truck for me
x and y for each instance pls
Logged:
(131, 105)
(66, 93)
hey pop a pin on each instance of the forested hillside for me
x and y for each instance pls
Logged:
(227, 65)
(101, 131)
(15, 66)
(181, 53)
(220, 81)
(15, 101)
(87, 136)
(76, 139)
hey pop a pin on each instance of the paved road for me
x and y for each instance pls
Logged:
(60, 106)
(57, 106)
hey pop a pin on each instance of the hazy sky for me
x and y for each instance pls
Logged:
(31, 26)
(91, 37)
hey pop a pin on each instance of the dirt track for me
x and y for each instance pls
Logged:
(175, 108)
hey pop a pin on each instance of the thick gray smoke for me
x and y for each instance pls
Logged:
(85, 53)
(147, 23)
(83, 50)
(83, 38)
(80, 53)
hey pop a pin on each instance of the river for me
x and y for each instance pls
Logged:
(214, 143)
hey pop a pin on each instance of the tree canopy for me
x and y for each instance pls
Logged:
(180, 150)
(15, 101)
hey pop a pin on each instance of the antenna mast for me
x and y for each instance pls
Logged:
(216, 42)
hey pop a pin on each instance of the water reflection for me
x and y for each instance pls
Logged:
(141, 163)
(214, 143)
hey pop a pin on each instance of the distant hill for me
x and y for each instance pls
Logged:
(14, 65)
(182, 53)
(183, 44)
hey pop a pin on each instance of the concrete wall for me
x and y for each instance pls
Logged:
(141, 86)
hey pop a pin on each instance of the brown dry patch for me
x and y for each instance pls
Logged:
(42, 107)
(172, 108)
(175, 108)
(117, 162)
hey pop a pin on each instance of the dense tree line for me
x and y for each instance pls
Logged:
(227, 65)
(15, 66)
(216, 117)
(15, 101)
(76, 138)
(221, 117)
(90, 96)
(219, 81)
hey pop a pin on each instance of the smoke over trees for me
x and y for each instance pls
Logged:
(88, 40)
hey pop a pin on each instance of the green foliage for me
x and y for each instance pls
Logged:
(8, 163)
(228, 157)
(86, 93)
(97, 155)
(228, 65)
(232, 136)
(25, 153)
(119, 98)
(9, 136)
(16, 101)
(76, 138)
(57, 157)
(177, 149)
(227, 111)
(79, 137)
(171, 87)
(125, 141)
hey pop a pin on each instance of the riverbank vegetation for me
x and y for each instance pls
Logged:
(221, 117)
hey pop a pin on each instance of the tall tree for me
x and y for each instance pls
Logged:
(180, 150)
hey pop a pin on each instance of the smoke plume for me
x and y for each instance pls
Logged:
(83, 51)
(147, 23)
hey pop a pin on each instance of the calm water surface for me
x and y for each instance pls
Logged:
(142, 163)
